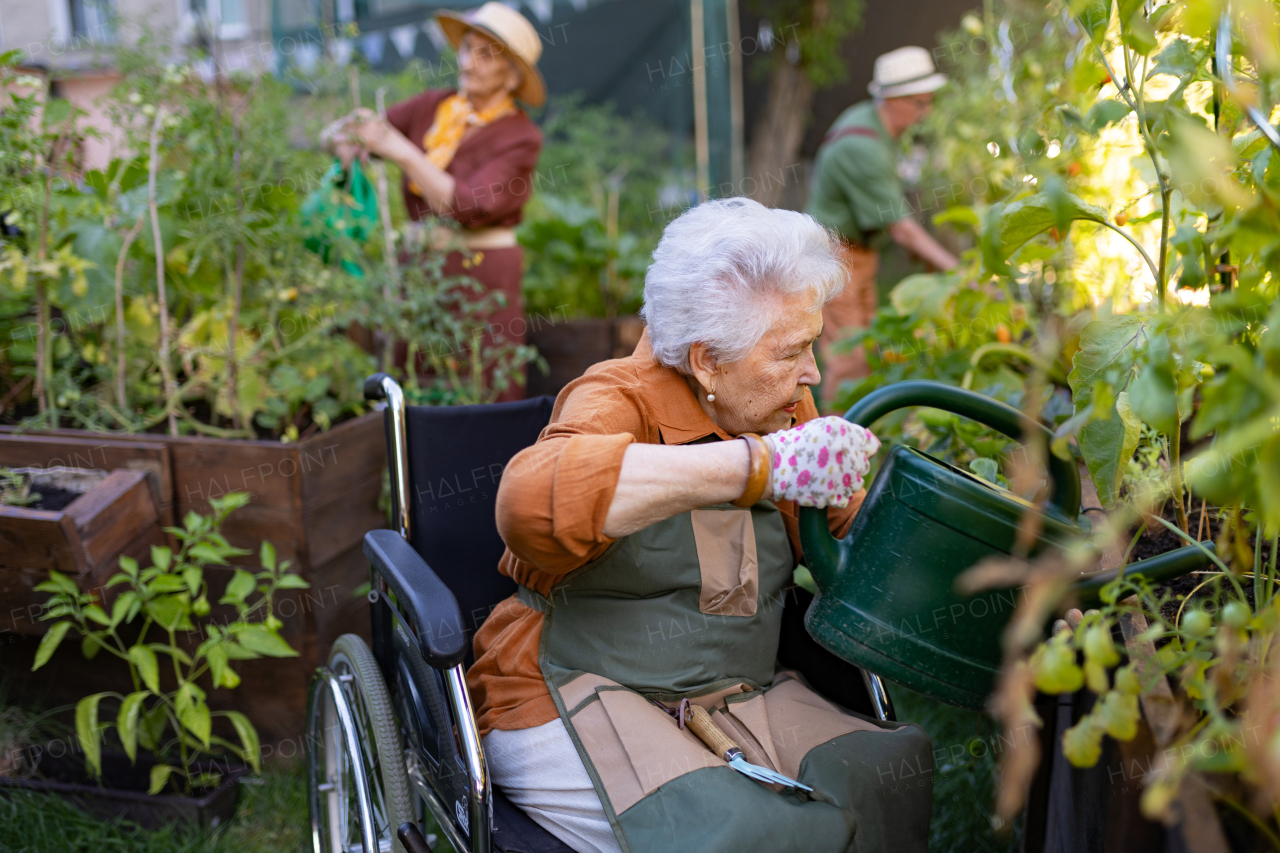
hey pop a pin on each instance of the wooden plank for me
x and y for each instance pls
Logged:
(336, 609)
(40, 539)
(249, 526)
(343, 519)
(20, 605)
(94, 450)
(331, 461)
(113, 514)
(204, 469)
(1197, 819)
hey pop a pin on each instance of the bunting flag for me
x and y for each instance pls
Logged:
(541, 9)
(433, 31)
(404, 38)
(342, 51)
(372, 44)
(306, 56)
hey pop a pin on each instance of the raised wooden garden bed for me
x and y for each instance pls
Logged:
(573, 346)
(116, 516)
(314, 500)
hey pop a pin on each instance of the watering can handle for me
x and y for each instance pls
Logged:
(986, 411)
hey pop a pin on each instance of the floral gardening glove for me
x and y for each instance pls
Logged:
(821, 462)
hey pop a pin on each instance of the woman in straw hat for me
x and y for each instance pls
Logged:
(469, 154)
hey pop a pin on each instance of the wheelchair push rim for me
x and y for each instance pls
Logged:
(357, 785)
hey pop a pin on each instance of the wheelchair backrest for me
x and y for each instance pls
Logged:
(456, 456)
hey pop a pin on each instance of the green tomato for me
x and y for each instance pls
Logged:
(1118, 713)
(1236, 615)
(1197, 623)
(1098, 647)
(1082, 743)
(1095, 675)
(1127, 681)
(1054, 667)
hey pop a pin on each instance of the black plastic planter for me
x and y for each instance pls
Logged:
(122, 792)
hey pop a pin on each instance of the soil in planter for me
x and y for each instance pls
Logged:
(52, 498)
(1158, 539)
(117, 773)
(48, 497)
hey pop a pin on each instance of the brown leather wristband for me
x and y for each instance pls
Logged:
(758, 478)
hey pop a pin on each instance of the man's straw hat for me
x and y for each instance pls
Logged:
(509, 28)
(905, 71)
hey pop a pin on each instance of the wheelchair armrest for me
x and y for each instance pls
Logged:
(423, 596)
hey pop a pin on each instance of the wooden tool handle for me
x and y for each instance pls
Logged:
(701, 724)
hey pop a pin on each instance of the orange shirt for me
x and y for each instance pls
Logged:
(552, 503)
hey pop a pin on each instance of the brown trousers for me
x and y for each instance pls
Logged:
(851, 310)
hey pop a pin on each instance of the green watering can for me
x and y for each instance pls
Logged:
(887, 599)
(344, 203)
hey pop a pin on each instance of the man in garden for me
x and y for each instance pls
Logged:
(856, 191)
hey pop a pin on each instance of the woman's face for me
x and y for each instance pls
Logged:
(759, 393)
(483, 67)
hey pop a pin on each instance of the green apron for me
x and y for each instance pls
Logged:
(691, 607)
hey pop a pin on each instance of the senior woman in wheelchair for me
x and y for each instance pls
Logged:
(652, 530)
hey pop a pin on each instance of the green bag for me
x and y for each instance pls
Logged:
(342, 204)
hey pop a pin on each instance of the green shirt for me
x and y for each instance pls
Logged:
(855, 187)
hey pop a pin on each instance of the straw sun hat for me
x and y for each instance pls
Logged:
(905, 71)
(510, 29)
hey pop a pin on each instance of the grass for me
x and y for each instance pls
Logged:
(964, 780)
(271, 818)
(272, 813)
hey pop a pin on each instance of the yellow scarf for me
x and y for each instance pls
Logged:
(454, 115)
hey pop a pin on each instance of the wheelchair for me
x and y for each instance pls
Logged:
(393, 736)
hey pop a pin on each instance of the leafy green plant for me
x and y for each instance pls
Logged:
(15, 489)
(575, 267)
(165, 711)
(598, 209)
(1132, 183)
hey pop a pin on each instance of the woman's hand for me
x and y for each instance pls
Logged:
(821, 462)
(380, 138)
(337, 139)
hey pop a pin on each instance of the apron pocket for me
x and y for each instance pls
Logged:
(634, 746)
(800, 720)
(749, 713)
(727, 562)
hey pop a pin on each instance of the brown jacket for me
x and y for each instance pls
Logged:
(493, 167)
(552, 503)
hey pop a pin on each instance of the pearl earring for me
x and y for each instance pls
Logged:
(711, 398)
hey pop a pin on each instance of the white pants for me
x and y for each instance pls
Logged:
(540, 771)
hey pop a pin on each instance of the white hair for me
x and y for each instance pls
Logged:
(717, 268)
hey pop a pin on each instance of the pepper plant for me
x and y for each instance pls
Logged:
(164, 709)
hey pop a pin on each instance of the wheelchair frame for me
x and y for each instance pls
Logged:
(402, 580)
(415, 596)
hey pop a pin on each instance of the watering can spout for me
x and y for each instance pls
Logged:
(822, 556)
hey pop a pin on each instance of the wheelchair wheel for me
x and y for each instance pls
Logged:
(338, 818)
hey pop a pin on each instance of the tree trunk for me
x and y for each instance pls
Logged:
(778, 132)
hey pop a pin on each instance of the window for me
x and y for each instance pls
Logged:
(228, 18)
(91, 20)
